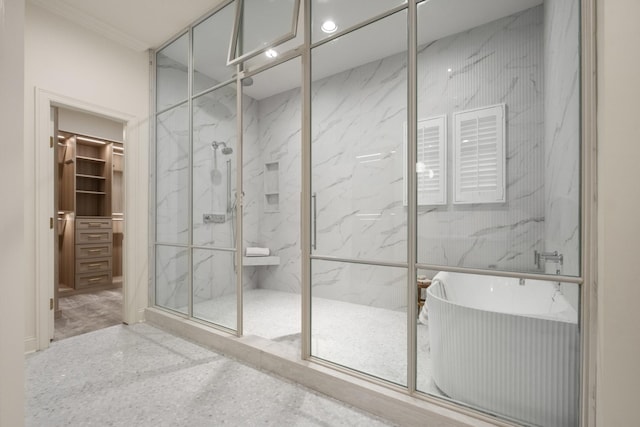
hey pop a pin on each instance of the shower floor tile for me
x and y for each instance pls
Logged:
(370, 339)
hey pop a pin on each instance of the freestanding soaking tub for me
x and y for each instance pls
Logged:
(505, 345)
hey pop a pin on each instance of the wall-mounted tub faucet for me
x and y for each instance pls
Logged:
(539, 258)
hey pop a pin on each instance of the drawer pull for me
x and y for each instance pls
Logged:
(94, 250)
(95, 224)
(94, 236)
(94, 265)
(95, 279)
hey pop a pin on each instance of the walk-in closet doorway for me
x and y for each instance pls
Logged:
(95, 162)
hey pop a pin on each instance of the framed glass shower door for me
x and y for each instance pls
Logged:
(358, 220)
(214, 169)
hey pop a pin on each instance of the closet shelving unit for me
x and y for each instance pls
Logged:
(85, 191)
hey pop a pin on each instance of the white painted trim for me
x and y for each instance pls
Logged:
(89, 22)
(44, 236)
(30, 345)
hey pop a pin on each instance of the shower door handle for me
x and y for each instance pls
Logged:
(314, 233)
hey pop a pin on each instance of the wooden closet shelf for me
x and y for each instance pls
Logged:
(90, 159)
(99, 193)
(78, 175)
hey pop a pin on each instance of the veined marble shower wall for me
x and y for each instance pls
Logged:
(272, 134)
(172, 176)
(500, 62)
(562, 133)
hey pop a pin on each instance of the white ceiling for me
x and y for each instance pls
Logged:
(144, 24)
(137, 24)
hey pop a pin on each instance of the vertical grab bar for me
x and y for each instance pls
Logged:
(313, 241)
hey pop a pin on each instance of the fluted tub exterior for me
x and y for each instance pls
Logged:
(508, 348)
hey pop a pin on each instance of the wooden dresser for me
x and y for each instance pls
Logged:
(93, 251)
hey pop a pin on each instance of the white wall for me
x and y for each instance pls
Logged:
(89, 125)
(618, 218)
(65, 59)
(11, 220)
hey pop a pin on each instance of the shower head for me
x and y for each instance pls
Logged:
(225, 150)
(247, 81)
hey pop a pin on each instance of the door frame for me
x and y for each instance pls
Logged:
(45, 235)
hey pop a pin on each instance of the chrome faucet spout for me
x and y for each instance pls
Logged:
(539, 258)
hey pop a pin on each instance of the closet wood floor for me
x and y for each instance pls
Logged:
(84, 313)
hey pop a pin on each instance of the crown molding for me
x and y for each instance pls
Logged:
(91, 23)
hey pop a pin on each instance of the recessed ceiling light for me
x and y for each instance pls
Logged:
(271, 53)
(329, 26)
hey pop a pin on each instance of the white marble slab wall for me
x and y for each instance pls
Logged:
(252, 182)
(280, 141)
(361, 113)
(358, 119)
(172, 176)
(215, 119)
(562, 136)
(172, 278)
(497, 63)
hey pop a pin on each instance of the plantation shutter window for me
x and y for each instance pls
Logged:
(479, 159)
(431, 161)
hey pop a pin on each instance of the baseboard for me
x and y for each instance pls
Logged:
(30, 345)
(387, 402)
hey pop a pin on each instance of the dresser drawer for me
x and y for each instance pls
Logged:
(93, 279)
(93, 265)
(93, 251)
(92, 236)
(93, 223)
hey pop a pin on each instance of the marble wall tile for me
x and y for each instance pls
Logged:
(358, 118)
(562, 137)
(172, 278)
(172, 176)
(280, 141)
(357, 141)
(214, 119)
(497, 63)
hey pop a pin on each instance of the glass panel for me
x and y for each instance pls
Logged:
(358, 126)
(211, 49)
(329, 16)
(271, 218)
(172, 176)
(172, 278)
(214, 167)
(276, 51)
(214, 287)
(506, 346)
(263, 24)
(507, 57)
(172, 73)
(359, 318)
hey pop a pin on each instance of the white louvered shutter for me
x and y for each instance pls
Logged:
(431, 161)
(479, 161)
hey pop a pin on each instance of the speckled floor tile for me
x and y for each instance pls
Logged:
(141, 376)
(369, 339)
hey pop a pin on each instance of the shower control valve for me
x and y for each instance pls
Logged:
(211, 218)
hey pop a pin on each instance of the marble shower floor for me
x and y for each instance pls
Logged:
(84, 313)
(368, 339)
(142, 376)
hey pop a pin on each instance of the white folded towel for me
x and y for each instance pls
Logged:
(257, 252)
